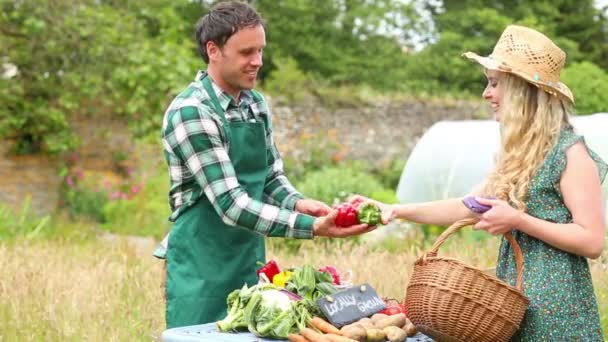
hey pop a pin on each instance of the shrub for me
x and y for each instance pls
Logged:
(316, 151)
(334, 184)
(82, 196)
(287, 80)
(145, 214)
(589, 83)
(85, 202)
(385, 196)
(389, 173)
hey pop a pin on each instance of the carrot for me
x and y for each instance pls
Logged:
(324, 326)
(312, 335)
(296, 338)
(338, 338)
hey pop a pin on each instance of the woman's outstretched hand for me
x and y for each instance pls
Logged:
(388, 211)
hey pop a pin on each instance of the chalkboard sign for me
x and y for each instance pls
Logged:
(350, 305)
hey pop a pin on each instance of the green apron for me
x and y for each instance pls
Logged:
(207, 259)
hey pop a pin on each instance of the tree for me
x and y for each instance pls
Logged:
(342, 41)
(125, 58)
(475, 25)
(577, 21)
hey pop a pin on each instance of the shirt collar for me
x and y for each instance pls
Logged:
(223, 97)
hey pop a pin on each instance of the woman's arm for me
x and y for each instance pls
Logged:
(443, 212)
(581, 190)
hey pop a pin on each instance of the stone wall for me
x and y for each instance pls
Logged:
(33, 177)
(376, 133)
(104, 141)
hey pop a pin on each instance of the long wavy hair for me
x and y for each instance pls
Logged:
(530, 123)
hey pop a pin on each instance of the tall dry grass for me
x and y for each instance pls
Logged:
(387, 272)
(94, 291)
(104, 290)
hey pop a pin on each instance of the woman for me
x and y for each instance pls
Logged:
(547, 186)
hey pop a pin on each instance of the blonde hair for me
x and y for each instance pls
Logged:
(530, 123)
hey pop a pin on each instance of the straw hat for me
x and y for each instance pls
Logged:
(530, 55)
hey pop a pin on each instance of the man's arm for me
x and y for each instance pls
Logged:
(194, 136)
(277, 186)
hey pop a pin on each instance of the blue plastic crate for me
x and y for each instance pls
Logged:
(208, 332)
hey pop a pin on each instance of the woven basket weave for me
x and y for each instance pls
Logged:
(451, 301)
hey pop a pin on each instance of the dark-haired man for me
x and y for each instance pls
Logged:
(228, 189)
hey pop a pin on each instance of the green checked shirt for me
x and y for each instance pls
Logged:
(196, 151)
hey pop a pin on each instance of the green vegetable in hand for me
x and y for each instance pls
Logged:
(370, 213)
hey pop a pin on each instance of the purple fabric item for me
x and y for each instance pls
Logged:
(475, 206)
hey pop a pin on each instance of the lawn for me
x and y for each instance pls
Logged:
(108, 289)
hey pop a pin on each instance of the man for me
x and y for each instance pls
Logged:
(228, 189)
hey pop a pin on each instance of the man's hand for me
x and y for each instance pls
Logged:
(312, 207)
(326, 226)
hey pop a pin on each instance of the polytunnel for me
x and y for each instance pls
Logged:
(454, 156)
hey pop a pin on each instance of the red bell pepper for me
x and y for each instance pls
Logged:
(347, 215)
(334, 273)
(394, 308)
(270, 269)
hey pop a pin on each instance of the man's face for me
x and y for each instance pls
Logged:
(240, 59)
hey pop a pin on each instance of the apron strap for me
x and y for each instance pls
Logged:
(257, 97)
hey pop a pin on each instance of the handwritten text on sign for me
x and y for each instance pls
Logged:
(350, 305)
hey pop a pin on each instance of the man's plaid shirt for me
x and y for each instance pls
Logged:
(196, 150)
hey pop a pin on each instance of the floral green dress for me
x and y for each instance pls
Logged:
(563, 306)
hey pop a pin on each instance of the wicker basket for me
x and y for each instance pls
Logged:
(451, 301)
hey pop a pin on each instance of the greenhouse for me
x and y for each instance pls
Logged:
(454, 156)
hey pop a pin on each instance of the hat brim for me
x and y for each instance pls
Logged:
(558, 89)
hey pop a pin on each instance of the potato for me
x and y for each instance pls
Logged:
(410, 328)
(375, 335)
(379, 316)
(397, 320)
(366, 322)
(395, 334)
(351, 325)
(354, 331)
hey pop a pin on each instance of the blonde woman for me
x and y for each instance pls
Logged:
(547, 189)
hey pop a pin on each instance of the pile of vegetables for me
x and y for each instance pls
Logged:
(348, 215)
(290, 312)
(272, 272)
(268, 310)
(311, 283)
(378, 328)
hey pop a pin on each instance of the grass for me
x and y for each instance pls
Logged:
(91, 291)
(97, 289)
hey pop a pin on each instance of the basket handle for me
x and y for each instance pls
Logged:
(519, 258)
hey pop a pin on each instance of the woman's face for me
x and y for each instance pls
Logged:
(493, 91)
